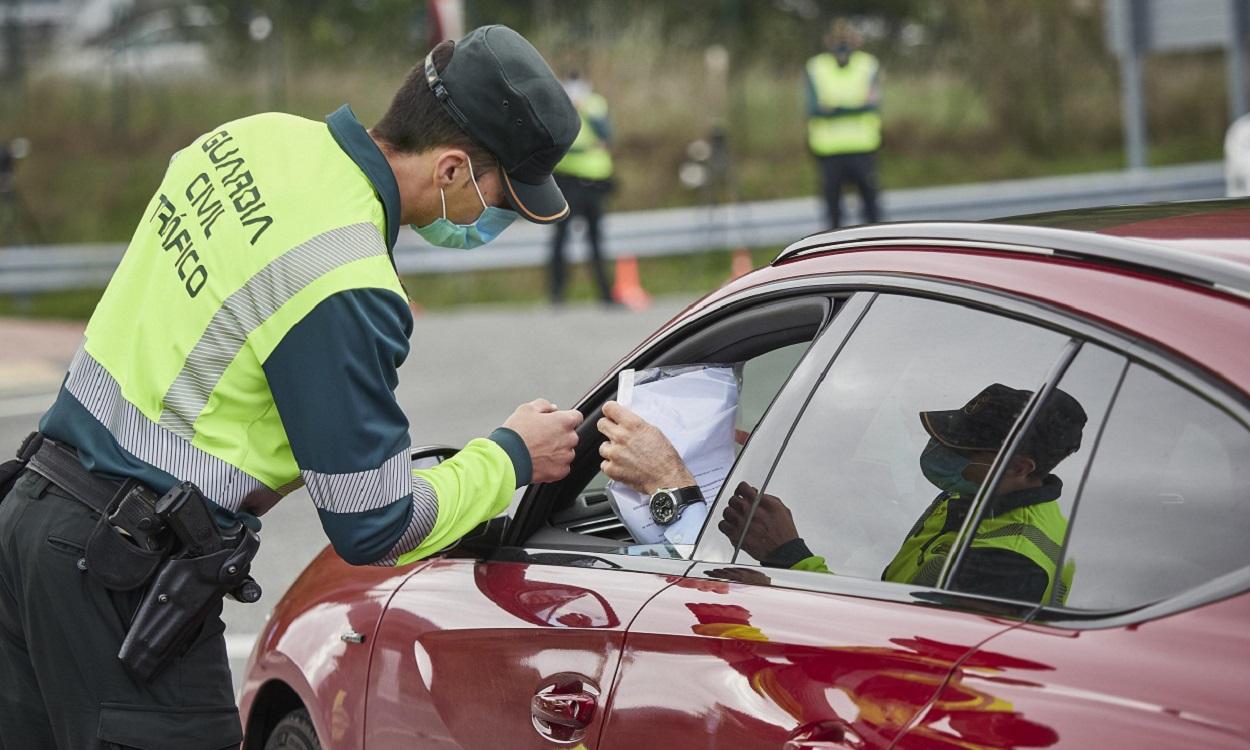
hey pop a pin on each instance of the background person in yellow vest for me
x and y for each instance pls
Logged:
(249, 343)
(585, 178)
(844, 122)
(1015, 551)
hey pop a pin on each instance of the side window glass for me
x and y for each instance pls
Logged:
(762, 378)
(1166, 506)
(590, 512)
(1017, 549)
(857, 480)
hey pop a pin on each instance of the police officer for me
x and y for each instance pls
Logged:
(844, 124)
(585, 177)
(249, 343)
(1015, 552)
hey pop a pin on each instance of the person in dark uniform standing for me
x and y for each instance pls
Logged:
(844, 120)
(585, 178)
(249, 344)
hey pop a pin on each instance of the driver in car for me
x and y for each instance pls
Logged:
(1016, 550)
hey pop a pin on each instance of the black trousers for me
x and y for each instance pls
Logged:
(61, 683)
(859, 170)
(586, 199)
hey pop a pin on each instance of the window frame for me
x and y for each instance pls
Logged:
(1182, 372)
(535, 505)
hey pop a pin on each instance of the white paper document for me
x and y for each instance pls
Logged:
(696, 407)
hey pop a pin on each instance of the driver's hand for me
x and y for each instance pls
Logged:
(637, 454)
(770, 527)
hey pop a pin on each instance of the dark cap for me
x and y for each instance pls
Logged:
(983, 423)
(503, 94)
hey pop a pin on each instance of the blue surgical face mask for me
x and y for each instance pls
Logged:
(945, 469)
(446, 233)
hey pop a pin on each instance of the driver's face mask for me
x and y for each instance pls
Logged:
(944, 468)
(489, 225)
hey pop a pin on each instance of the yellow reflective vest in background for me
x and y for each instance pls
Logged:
(849, 87)
(588, 158)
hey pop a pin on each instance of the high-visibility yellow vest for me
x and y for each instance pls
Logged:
(1036, 531)
(838, 86)
(253, 226)
(588, 157)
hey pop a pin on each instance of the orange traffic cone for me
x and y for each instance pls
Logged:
(627, 289)
(741, 264)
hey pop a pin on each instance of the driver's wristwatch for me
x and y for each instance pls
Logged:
(668, 502)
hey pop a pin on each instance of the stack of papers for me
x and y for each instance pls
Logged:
(696, 407)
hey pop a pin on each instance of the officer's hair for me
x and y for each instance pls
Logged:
(416, 122)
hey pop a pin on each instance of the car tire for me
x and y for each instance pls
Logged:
(294, 732)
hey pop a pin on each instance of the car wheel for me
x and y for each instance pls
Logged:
(294, 732)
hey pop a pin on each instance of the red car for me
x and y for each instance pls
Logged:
(552, 628)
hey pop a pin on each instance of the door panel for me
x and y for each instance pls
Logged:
(465, 647)
(719, 664)
(1176, 682)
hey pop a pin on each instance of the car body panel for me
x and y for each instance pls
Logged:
(1180, 681)
(302, 645)
(753, 666)
(465, 646)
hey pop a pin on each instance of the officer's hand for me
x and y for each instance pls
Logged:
(637, 454)
(549, 434)
(771, 526)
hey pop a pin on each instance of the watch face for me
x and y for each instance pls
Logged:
(663, 508)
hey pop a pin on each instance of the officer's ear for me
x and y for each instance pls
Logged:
(1021, 466)
(451, 167)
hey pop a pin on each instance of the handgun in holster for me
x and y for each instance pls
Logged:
(206, 563)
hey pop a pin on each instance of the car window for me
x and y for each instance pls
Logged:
(762, 377)
(1017, 550)
(1166, 506)
(848, 494)
(589, 512)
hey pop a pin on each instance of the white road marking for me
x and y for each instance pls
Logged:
(25, 406)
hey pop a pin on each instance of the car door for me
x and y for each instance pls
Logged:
(1149, 647)
(743, 654)
(518, 646)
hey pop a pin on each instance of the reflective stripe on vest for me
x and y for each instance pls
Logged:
(588, 157)
(1035, 531)
(252, 227)
(838, 86)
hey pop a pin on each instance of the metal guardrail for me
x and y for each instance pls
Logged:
(680, 231)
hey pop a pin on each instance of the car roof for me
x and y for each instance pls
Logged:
(1191, 300)
(1201, 242)
(1216, 228)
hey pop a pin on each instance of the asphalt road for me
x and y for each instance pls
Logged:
(466, 373)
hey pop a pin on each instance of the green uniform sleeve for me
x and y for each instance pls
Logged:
(474, 485)
(815, 563)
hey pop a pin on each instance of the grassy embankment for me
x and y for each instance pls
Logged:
(91, 170)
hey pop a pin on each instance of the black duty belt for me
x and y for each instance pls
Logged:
(59, 464)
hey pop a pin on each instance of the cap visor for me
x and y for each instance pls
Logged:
(542, 203)
(950, 428)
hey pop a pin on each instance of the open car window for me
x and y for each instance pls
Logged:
(768, 341)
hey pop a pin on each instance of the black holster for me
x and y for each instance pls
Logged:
(172, 545)
(178, 600)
